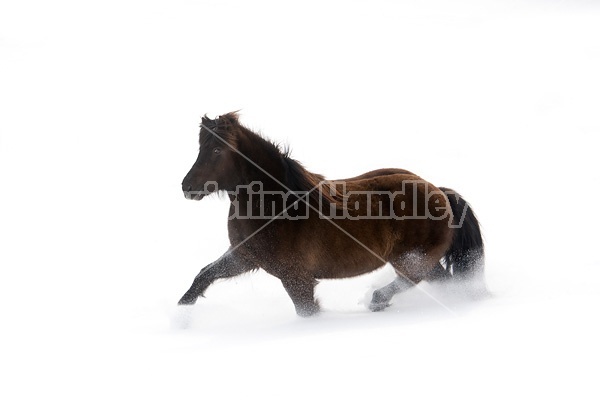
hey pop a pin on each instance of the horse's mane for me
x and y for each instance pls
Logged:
(297, 178)
(300, 180)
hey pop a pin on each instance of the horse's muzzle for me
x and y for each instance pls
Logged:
(193, 195)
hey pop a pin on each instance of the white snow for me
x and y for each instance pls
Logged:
(100, 106)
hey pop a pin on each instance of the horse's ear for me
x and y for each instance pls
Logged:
(230, 118)
(209, 123)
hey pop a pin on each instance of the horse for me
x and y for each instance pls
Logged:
(302, 228)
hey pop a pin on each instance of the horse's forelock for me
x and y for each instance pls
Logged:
(229, 128)
(229, 119)
(225, 127)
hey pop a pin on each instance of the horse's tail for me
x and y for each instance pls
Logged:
(464, 259)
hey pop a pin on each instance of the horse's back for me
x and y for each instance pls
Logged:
(378, 173)
(385, 179)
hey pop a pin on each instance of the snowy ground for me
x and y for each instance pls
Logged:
(100, 106)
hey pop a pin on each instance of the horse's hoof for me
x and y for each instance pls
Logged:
(308, 312)
(375, 307)
(379, 301)
(186, 301)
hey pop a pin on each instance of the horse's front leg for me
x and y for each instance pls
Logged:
(227, 266)
(302, 293)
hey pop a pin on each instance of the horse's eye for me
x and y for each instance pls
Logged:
(217, 150)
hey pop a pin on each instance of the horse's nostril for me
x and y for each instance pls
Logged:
(187, 188)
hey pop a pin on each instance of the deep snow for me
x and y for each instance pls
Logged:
(100, 108)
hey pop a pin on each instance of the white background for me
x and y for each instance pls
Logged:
(99, 111)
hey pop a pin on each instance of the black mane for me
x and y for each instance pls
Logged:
(296, 178)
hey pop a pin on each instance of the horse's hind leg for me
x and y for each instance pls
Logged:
(227, 266)
(438, 273)
(411, 268)
(381, 297)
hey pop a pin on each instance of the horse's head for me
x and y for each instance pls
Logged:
(214, 168)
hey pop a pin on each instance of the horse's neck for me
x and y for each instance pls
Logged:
(252, 207)
(263, 188)
(269, 171)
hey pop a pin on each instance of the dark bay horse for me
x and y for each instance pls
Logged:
(300, 228)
